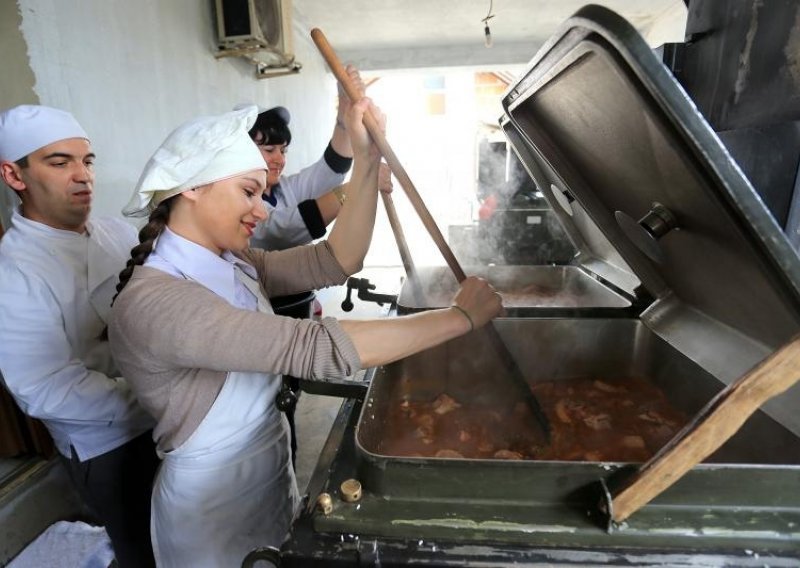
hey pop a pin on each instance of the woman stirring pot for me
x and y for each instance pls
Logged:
(194, 334)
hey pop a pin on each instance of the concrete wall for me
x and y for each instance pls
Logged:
(17, 84)
(132, 71)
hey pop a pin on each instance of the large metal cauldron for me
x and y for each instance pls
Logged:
(748, 482)
(662, 217)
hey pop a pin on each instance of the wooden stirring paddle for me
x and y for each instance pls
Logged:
(713, 426)
(400, 173)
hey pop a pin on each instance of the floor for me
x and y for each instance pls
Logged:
(315, 415)
(31, 502)
(8, 466)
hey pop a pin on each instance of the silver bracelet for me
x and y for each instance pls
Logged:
(466, 315)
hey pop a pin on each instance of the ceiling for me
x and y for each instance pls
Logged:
(400, 34)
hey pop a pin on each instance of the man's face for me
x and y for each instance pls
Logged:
(56, 187)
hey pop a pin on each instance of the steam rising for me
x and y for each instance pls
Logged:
(516, 224)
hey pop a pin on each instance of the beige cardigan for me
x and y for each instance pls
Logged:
(175, 340)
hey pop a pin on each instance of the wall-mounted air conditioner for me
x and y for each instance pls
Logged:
(259, 30)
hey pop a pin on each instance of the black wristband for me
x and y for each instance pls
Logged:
(336, 161)
(309, 211)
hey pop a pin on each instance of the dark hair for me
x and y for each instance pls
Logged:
(272, 127)
(147, 236)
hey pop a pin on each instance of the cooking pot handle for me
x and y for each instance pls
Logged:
(268, 553)
(342, 388)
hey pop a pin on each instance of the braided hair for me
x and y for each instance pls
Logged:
(147, 237)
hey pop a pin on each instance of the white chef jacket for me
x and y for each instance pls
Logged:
(56, 288)
(285, 227)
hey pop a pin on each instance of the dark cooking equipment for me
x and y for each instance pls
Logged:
(683, 279)
(364, 291)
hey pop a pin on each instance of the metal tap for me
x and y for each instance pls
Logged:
(364, 286)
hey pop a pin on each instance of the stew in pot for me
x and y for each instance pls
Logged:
(619, 420)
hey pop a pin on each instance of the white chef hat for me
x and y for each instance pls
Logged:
(26, 128)
(282, 112)
(199, 152)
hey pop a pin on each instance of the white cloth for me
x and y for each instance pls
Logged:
(64, 543)
(230, 487)
(55, 299)
(199, 152)
(285, 228)
(26, 128)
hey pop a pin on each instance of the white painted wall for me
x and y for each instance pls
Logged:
(131, 71)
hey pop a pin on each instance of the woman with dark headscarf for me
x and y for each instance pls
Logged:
(303, 204)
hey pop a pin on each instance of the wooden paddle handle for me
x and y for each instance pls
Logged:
(713, 426)
(397, 231)
(388, 154)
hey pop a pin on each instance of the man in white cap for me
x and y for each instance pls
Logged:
(58, 271)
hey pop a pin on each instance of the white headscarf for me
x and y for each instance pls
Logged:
(199, 152)
(26, 128)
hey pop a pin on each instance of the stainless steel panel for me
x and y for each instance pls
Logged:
(525, 289)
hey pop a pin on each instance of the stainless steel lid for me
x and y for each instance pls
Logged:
(651, 197)
(626, 160)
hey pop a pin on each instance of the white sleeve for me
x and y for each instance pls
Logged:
(285, 227)
(37, 361)
(312, 181)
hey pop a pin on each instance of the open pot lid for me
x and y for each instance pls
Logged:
(650, 195)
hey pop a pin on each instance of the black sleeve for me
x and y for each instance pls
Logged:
(309, 211)
(336, 162)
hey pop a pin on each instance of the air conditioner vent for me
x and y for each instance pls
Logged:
(269, 16)
(260, 31)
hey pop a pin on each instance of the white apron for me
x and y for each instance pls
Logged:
(230, 487)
